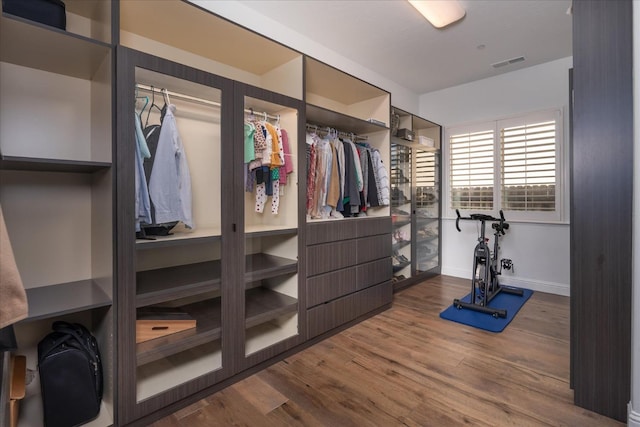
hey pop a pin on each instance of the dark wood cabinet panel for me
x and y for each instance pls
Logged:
(328, 316)
(373, 273)
(373, 226)
(331, 231)
(326, 287)
(330, 256)
(601, 206)
(373, 248)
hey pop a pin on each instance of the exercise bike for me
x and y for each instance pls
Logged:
(486, 269)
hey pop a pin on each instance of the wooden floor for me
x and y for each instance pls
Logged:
(407, 366)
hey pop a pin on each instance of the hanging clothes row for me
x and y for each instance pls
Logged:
(267, 160)
(324, 130)
(345, 178)
(162, 177)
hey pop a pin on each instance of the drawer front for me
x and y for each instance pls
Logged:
(327, 316)
(332, 231)
(374, 248)
(326, 287)
(331, 256)
(372, 273)
(373, 226)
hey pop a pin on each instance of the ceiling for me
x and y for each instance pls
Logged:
(392, 39)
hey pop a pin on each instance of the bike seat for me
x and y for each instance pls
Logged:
(483, 217)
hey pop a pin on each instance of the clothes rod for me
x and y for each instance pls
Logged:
(163, 91)
(259, 114)
(327, 129)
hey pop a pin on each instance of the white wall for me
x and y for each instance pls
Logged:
(540, 252)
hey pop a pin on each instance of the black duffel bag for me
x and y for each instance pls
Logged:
(70, 375)
(48, 12)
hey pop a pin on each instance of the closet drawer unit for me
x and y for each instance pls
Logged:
(331, 256)
(331, 231)
(372, 273)
(373, 248)
(373, 226)
(332, 285)
(327, 316)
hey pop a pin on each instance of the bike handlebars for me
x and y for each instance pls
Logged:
(503, 225)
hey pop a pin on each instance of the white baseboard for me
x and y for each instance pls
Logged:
(633, 417)
(535, 285)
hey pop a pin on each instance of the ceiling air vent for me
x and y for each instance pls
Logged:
(508, 62)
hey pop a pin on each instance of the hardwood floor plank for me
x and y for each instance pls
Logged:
(408, 367)
(260, 394)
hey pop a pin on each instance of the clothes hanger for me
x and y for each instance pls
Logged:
(165, 92)
(146, 102)
(153, 104)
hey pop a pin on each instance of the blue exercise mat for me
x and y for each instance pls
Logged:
(509, 302)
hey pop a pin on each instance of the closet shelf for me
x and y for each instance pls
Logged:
(263, 305)
(413, 144)
(33, 45)
(51, 165)
(264, 266)
(401, 223)
(323, 117)
(401, 244)
(425, 220)
(208, 328)
(268, 230)
(199, 235)
(166, 284)
(64, 298)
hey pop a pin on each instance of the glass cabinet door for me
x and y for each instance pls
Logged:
(427, 210)
(271, 218)
(178, 239)
(401, 186)
(172, 272)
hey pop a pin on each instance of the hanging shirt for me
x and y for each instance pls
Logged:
(143, 204)
(170, 182)
(288, 160)
(249, 145)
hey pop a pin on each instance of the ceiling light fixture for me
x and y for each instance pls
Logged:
(439, 13)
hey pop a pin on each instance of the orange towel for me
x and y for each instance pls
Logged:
(13, 299)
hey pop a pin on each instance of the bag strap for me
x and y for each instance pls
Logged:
(71, 330)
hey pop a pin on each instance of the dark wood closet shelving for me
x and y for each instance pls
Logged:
(263, 305)
(207, 314)
(166, 284)
(51, 165)
(425, 220)
(322, 117)
(426, 239)
(401, 223)
(274, 232)
(180, 239)
(400, 245)
(42, 47)
(263, 266)
(65, 298)
(413, 144)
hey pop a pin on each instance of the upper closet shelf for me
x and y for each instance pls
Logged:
(64, 298)
(50, 165)
(323, 117)
(45, 48)
(335, 90)
(199, 235)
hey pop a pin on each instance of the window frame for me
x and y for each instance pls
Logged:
(496, 125)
